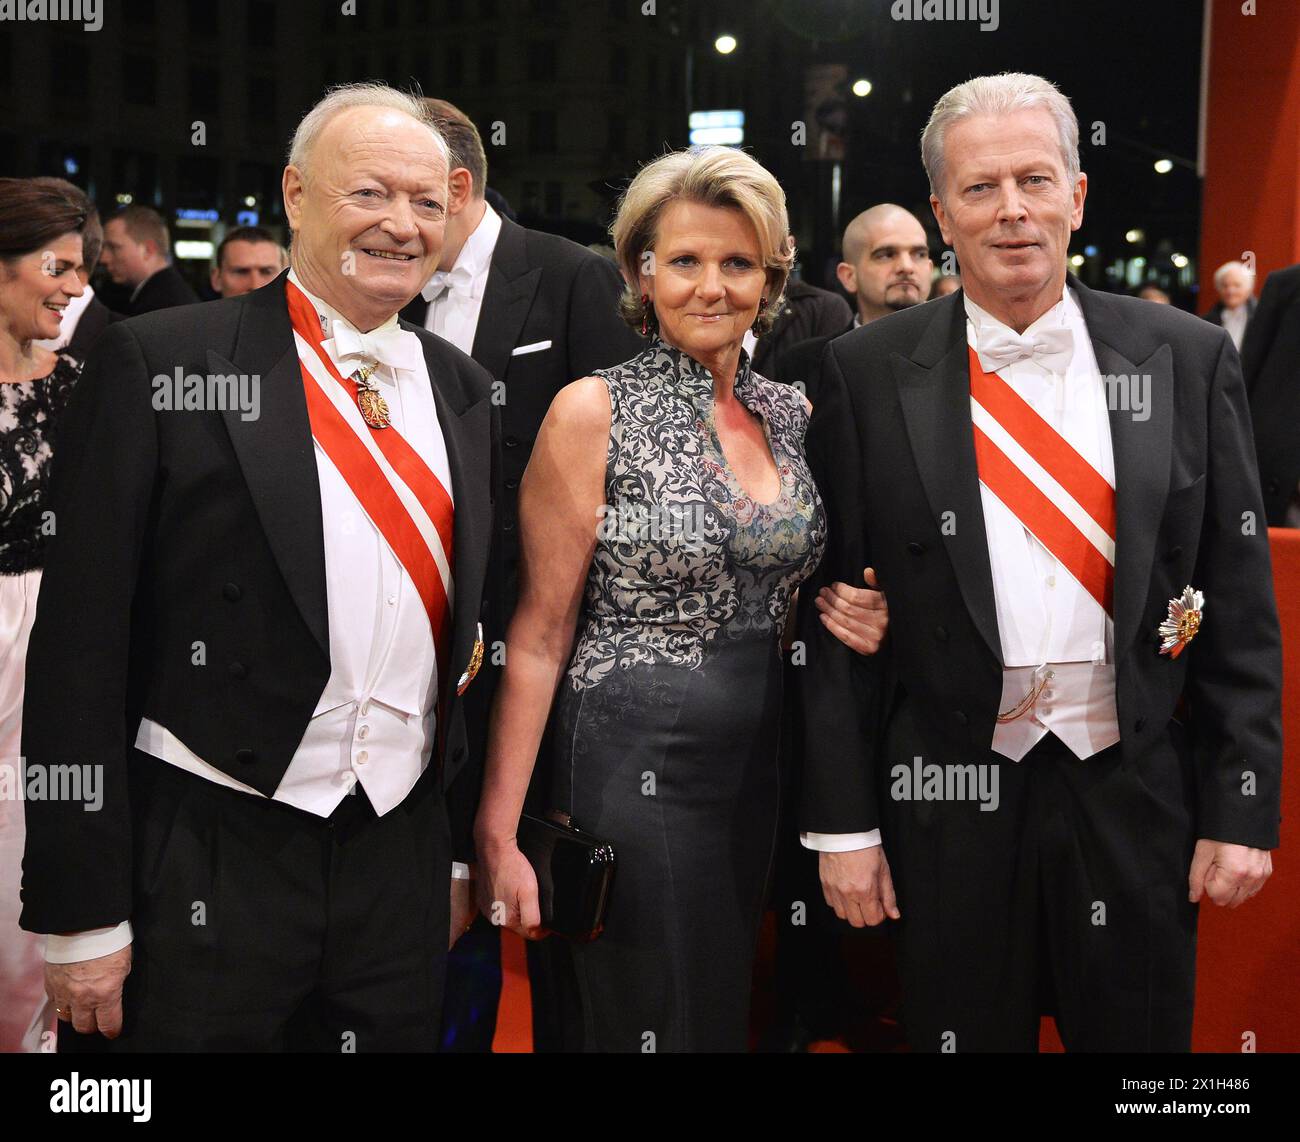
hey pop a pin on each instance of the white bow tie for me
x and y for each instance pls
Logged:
(458, 280)
(389, 345)
(999, 346)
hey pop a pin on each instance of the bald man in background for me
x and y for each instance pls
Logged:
(886, 268)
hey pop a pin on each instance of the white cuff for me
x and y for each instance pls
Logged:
(840, 842)
(87, 945)
(461, 871)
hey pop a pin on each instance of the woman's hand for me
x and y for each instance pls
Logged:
(857, 616)
(507, 890)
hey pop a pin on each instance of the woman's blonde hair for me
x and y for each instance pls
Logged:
(710, 176)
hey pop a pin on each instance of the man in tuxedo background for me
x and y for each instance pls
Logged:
(1235, 285)
(1270, 363)
(256, 624)
(136, 247)
(1036, 470)
(536, 311)
(808, 311)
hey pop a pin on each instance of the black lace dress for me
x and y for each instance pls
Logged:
(29, 417)
(667, 719)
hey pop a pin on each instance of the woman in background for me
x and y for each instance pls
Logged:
(41, 225)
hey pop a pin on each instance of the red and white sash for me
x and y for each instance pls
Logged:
(1064, 502)
(394, 486)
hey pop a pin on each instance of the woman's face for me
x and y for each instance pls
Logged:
(706, 278)
(36, 289)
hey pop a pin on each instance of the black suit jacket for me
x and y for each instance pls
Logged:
(186, 582)
(801, 363)
(1270, 362)
(807, 312)
(892, 449)
(540, 288)
(95, 318)
(165, 290)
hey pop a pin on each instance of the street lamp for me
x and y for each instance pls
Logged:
(861, 87)
(725, 45)
(1163, 166)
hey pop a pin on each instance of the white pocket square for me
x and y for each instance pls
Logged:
(535, 347)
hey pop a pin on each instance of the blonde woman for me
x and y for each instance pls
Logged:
(667, 517)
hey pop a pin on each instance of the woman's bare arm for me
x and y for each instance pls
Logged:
(560, 502)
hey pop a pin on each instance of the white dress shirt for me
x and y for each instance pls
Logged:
(1046, 619)
(1234, 322)
(374, 723)
(68, 322)
(455, 296)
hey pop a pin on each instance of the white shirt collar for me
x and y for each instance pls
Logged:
(329, 315)
(1057, 317)
(330, 318)
(475, 257)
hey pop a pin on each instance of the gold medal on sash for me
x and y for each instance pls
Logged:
(374, 409)
(475, 662)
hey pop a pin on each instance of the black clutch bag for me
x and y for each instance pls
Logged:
(575, 872)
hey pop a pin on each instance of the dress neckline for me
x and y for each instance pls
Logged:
(695, 379)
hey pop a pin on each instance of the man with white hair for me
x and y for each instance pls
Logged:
(1234, 282)
(256, 625)
(1073, 733)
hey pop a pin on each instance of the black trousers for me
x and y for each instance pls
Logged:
(259, 927)
(1069, 899)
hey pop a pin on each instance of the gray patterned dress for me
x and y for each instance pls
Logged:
(667, 718)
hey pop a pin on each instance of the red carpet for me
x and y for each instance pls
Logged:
(1248, 988)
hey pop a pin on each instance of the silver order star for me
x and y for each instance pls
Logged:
(1182, 622)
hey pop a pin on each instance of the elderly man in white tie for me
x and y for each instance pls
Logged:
(1073, 734)
(257, 633)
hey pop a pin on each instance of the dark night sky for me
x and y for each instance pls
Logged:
(1133, 65)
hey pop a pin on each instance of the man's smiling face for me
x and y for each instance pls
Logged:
(369, 212)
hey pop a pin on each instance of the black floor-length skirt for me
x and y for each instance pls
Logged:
(677, 768)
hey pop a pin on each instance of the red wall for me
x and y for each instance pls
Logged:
(1251, 197)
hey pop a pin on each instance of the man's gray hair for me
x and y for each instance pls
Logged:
(349, 95)
(998, 95)
(1222, 272)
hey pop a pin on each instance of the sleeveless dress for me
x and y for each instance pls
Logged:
(667, 720)
(29, 416)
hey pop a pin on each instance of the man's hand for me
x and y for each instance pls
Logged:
(857, 885)
(1229, 874)
(507, 890)
(857, 616)
(462, 909)
(88, 994)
